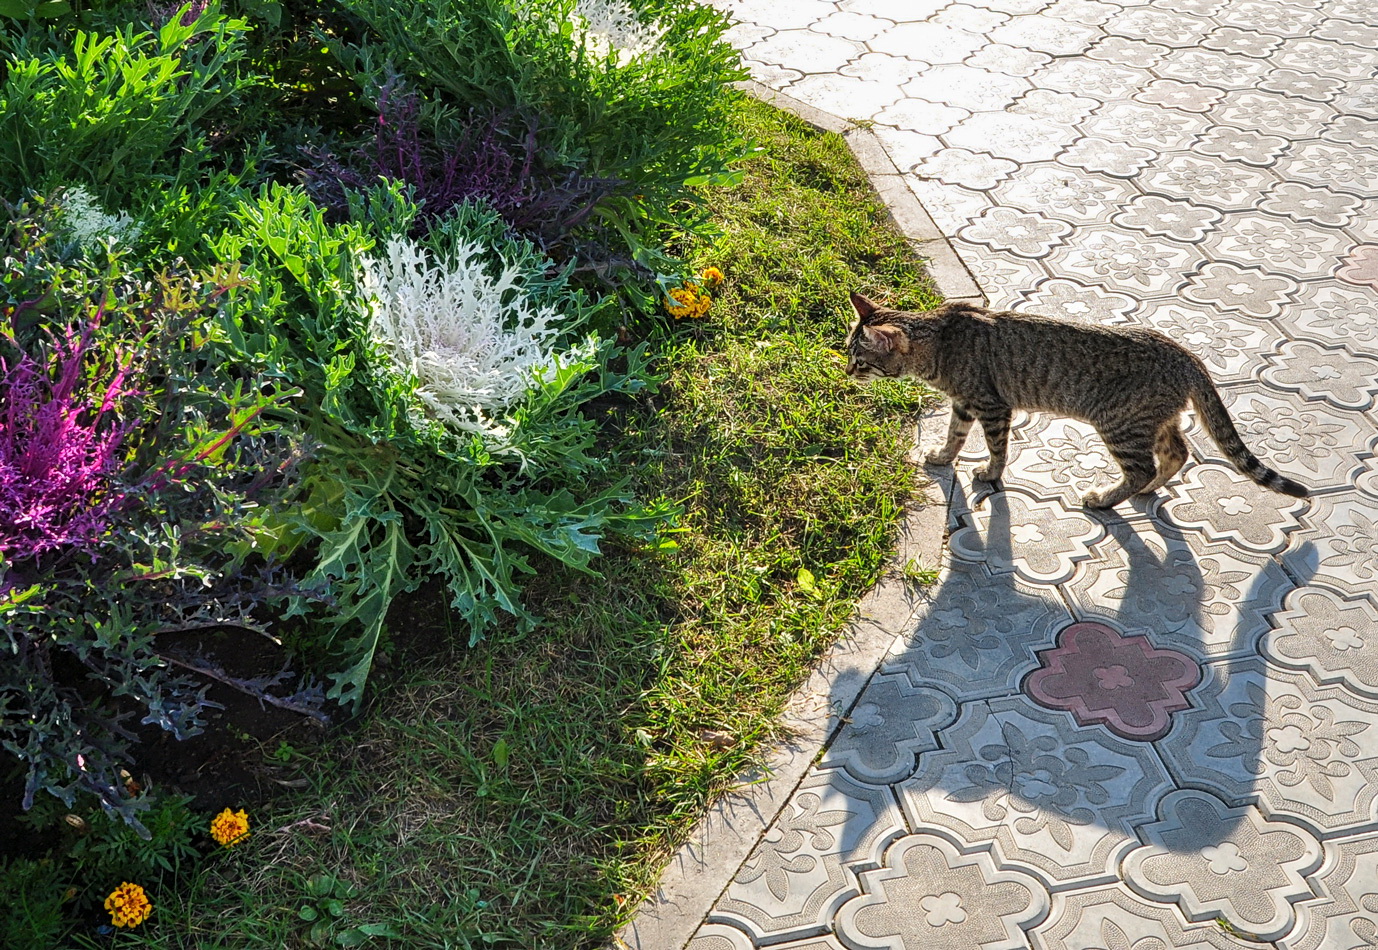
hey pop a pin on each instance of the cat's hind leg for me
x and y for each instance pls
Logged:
(957, 429)
(1172, 453)
(1134, 453)
(995, 423)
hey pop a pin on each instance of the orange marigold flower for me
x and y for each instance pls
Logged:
(712, 275)
(128, 905)
(230, 827)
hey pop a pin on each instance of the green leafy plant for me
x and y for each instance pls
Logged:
(326, 911)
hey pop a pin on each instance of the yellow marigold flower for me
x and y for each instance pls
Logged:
(128, 905)
(712, 275)
(229, 828)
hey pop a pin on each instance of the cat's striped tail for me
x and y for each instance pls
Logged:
(1218, 423)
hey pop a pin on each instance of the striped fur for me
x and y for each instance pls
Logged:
(1132, 384)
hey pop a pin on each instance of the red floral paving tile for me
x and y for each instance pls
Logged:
(1100, 675)
(1361, 266)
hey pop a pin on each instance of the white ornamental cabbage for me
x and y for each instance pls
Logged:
(88, 224)
(474, 343)
(612, 25)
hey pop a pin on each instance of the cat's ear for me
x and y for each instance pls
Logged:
(863, 306)
(886, 339)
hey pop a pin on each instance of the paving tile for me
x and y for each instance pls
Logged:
(1293, 82)
(1063, 459)
(882, 67)
(1113, 918)
(1331, 635)
(742, 35)
(1321, 446)
(901, 11)
(1268, 16)
(850, 25)
(1116, 159)
(776, 77)
(930, 42)
(1041, 541)
(1250, 291)
(1358, 97)
(1188, 96)
(1051, 797)
(1345, 916)
(1063, 108)
(1003, 277)
(1241, 42)
(1351, 130)
(1326, 58)
(929, 896)
(718, 937)
(1047, 35)
(1088, 12)
(978, 638)
(980, 171)
(1194, 7)
(1317, 205)
(1213, 68)
(1333, 374)
(1229, 186)
(966, 86)
(1223, 506)
(1228, 346)
(907, 149)
(1064, 193)
(806, 51)
(1123, 51)
(795, 880)
(1212, 861)
(792, 16)
(1161, 26)
(1089, 77)
(849, 96)
(1280, 244)
(1360, 266)
(951, 207)
(893, 721)
(1008, 60)
(1086, 300)
(1242, 145)
(1169, 218)
(1126, 260)
(1144, 124)
(1304, 752)
(1023, 138)
(1337, 167)
(1209, 600)
(1338, 546)
(970, 18)
(1024, 233)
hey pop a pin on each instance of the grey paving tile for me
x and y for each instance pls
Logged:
(1268, 16)
(906, 149)
(1320, 446)
(1337, 167)
(1060, 458)
(1279, 114)
(1358, 97)
(1113, 158)
(1063, 108)
(930, 42)
(1145, 124)
(1304, 752)
(1023, 138)
(1041, 541)
(791, 16)
(1158, 25)
(1316, 205)
(776, 77)
(1330, 373)
(930, 896)
(795, 881)
(1351, 130)
(1089, 77)
(1223, 506)
(1126, 260)
(1008, 60)
(1048, 796)
(1242, 145)
(1279, 244)
(1047, 35)
(970, 18)
(1168, 218)
(1024, 233)
(967, 87)
(1329, 634)
(1077, 197)
(884, 68)
(1250, 291)
(979, 637)
(1220, 183)
(1209, 601)
(1293, 82)
(1345, 915)
(1212, 861)
(951, 207)
(901, 11)
(1003, 277)
(718, 937)
(805, 51)
(1242, 42)
(1122, 51)
(1338, 546)
(1087, 300)
(850, 25)
(1213, 68)
(1188, 96)
(893, 721)
(1228, 345)
(1113, 918)
(849, 96)
(979, 171)
(1089, 12)
(1325, 57)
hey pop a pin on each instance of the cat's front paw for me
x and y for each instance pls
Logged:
(1094, 499)
(988, 474)
(939, 457)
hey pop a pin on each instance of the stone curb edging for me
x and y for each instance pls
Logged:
(706, 864)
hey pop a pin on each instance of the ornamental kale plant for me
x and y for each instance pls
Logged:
(60, 438)
(394, 494)
(134, 490)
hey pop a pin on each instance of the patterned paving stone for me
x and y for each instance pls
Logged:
(1132, 262)
(929, 896)
(1008, 60)
(1214, 68)
(1331, 635)
(1333, 374)
(1320, 446)
(1291, 82)
(892, 723)
(917, 115)
(1065, 460)
(806, 51)
(1116, 159)
(1304, 752)
(1242, 145)
(1101, 675)
(1228, 346)
(1047, 35)
(1229, 186)
(966, 87)
(1345, 917)
(1040, 541)
(1024, 233)
(1232, 863)
(1212, 499)
(1250, 291)
(883, 68)
(1280, 244)
(1158, 25)
(1003, 276)
(1338, 167)
(1331, 310)
(1316, 205)
(1089, 77)
(1128, 52)
(1325, 57)
(852, 26)
(1231, 39)
(1023, 138)
(790, 16)
(1145, 124)
(1207, 600)
(1070, 195)
(1091, 301)
(959, 166)
(1168, 217)
(1113, 918)
(794, 881)
(1277, 19)
(1361, 266)
(1338, 545)
(978, 638)
(849, 95)
(1063, 108)
(929, 42)
(1052, 797)
(718, 937)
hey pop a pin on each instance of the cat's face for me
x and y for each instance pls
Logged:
(875, 349)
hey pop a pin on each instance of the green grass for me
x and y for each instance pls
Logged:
(524, 793)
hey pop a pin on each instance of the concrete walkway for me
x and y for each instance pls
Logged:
(1149, 729)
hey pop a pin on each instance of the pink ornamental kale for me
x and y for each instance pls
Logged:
(60, 438)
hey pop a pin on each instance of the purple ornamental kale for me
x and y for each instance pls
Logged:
(60, 439)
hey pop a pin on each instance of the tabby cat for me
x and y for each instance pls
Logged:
(1131, 383)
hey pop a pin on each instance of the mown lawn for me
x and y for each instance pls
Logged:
(523, 793)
